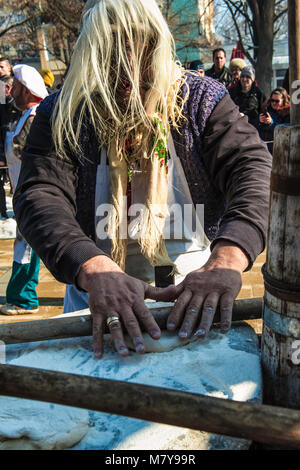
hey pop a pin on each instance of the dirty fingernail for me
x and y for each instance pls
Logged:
(140, 348)
(171, 326)
(138, 344)
(183, 334)
(200, 332)
(155, 333)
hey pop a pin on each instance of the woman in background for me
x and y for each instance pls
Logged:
(276, 110)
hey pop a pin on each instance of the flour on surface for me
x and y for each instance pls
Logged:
(226, 366)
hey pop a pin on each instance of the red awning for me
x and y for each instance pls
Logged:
(237, 52)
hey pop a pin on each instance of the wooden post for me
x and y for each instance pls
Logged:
(281, 316)
(261, 423)
(281, 326)
(42, 48)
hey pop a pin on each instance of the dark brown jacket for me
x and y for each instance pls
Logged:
(226, 165)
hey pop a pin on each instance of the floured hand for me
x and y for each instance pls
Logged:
(218, 282)
(115, 295)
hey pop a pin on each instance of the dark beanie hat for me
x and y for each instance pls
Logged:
(249, 72)
(196, 64)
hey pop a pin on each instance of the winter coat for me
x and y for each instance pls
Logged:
(266, 131)
(9, 114)
(225, 77)
(249, 103)
(226, 166)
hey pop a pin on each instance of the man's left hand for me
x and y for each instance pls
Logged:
(218, 282)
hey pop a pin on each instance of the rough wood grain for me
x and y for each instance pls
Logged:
(80, 323)
(237, 419)
(281, 374)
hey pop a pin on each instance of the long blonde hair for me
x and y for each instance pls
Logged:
(120, 42)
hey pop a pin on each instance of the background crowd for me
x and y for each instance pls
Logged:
(239, 79)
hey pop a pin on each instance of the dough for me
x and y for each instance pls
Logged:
(168, 341)
(34, 425)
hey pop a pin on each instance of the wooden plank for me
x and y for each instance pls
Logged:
(261, 423)
(79, 323)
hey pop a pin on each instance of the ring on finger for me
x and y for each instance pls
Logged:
(112, 320)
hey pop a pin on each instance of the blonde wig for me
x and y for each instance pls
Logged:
(122, 72)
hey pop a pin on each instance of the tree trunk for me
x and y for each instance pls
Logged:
(263, 24)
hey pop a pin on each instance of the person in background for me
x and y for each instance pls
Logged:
(8, 115)
(49, 79)
(247, 95)
(5, 67)
(219, 71)
(235, 68)
(275, 111)
(28, 90)
(198, 66)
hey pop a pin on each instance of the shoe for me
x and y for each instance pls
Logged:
(9, 309)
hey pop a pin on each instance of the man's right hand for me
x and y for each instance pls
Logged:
(113, 293)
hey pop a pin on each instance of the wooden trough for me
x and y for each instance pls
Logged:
(250, 421)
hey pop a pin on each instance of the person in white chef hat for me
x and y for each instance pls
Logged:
(28, 90)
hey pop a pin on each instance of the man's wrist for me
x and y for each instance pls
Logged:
(97, 264)
(228, 255)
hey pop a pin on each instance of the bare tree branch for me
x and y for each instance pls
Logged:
(14, 25)
(228, 3)
(280, 14)
(241, 10)
(56, 11)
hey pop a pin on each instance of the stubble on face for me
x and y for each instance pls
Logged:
(219, 61)
(18, 94)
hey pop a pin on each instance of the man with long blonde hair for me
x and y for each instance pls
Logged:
(131, 133)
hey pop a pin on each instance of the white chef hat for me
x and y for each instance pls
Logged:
(31, 79)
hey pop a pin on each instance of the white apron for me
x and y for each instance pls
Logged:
(14, 162)
(22, 251)
(188, 253)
